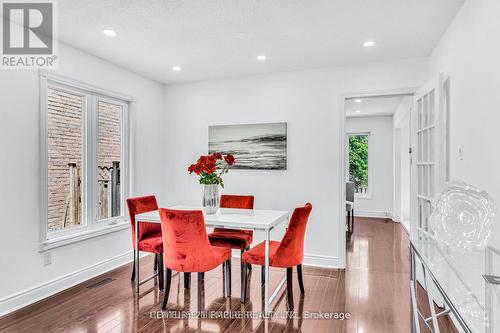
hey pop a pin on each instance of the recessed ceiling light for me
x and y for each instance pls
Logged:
(369, 43)
(176, 68)
(358, 100)
(261, 57)
(109, 32)
(240, 35)
(358, 111)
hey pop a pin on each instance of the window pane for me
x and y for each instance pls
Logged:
(358, 162)
(65, 128)
(109, 142)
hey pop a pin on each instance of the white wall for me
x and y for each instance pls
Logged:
(309, 101)
(401, 123)
(24, 278)
(469, 52)
(380, 164)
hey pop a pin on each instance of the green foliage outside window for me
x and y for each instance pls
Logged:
(358, 160)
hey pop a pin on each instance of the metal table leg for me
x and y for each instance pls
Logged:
(266, 273)
(137, 278)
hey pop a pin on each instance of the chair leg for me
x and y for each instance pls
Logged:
(349, 222)
(132, 278)
(155, 265)
(244, 287)
(263, 275)
(227, 269)
(243, 269)
(301, 281)
(167, 288)
(249, 266)
(187, 280)
(352, 219)
(289, 288)
(161, 274)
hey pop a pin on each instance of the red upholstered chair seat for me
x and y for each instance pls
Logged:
(256, 255)
(231, 238)
(285, 254)
(234, 239)
(150, 239)
(185, 237)
(152, 243)
(142, 205)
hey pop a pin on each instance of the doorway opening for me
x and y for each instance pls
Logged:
(377, 134)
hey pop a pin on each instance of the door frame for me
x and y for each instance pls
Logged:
(342, 172)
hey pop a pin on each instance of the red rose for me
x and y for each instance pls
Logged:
(198, 168)
(229, 159)
(191, 168)
(217, 156)
(202, 160)
(210, 167)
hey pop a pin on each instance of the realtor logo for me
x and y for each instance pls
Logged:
(28, 34)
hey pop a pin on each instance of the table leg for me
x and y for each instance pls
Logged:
(266, 274)
(137, 278)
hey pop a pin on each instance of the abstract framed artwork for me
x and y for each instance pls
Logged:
(255, 146)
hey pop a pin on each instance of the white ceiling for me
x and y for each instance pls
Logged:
(373, 106)
(221, 38)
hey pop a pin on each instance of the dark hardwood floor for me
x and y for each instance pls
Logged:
(374, 290)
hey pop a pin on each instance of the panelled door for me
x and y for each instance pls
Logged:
(427, 153)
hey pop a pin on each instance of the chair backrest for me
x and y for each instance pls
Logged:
(140, 205)
(185, 238)
(236, 201)
(349, 191)
(291, 250)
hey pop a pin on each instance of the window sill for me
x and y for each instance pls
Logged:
(83, 234)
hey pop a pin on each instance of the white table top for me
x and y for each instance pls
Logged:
(255, 219)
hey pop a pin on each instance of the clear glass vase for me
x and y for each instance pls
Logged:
(211, 198)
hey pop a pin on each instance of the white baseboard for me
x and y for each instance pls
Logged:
(371, 213)
(321, 261)
(312, 260)
(396, 219)
(31, 295)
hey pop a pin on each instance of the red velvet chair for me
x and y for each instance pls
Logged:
(232, 238)
(189, 250)
(150, 239)
(287, 253)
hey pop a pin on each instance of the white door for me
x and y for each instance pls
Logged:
(428, 153)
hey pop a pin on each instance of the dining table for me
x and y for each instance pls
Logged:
(243, 219)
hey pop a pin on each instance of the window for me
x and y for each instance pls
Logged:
(358, 148)
(85, 165)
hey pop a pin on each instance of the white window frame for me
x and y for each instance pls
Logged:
(368, 194)
(91, 226)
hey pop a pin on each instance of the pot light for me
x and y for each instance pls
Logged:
(109, 32)
(369, 43)
(240, 35)
(358, 111)
(261, 57)
(358, 100)
(176, 68)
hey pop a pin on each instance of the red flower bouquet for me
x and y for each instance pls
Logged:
(207, 165)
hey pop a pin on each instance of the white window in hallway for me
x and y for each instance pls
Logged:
(359, 162)
(86, 136)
